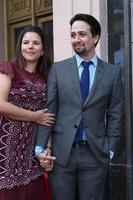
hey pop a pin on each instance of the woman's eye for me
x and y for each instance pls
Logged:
(37, 43)
(25, 42)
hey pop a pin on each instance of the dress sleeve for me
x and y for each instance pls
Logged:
(7, 68)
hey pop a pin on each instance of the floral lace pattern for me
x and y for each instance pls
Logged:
(18, 165)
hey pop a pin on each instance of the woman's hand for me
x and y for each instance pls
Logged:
(44, 118)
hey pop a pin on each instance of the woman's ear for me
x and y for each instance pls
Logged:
(42, 53)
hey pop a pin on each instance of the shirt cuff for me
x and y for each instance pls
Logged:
(38, 150)
(111, 154)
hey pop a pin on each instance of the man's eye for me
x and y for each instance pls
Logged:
(72, 35)
(82, 34)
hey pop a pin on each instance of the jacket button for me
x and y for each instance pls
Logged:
(75, 126)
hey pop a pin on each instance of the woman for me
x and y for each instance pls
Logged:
(22, 94)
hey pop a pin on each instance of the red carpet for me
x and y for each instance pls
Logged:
(47, 187)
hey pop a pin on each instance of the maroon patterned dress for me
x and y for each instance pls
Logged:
(18, 164)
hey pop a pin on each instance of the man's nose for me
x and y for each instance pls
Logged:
(77, 38)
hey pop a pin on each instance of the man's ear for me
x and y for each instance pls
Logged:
(96, 39)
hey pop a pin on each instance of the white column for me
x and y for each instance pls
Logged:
(62, 13)
(63, 10)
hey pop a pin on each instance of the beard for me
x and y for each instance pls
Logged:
(80, 50)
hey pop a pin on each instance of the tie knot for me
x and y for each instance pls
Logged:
(86, 64)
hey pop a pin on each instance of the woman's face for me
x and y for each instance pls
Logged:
(31, 47)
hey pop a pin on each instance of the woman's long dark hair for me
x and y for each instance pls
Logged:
(42, 63)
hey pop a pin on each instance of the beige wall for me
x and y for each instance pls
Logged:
(2, 29)
(63, 11)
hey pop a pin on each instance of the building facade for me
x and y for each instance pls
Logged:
(115, 46)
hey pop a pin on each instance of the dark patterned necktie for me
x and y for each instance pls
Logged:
(84, 85)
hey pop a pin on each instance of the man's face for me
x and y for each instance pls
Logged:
(82, 40)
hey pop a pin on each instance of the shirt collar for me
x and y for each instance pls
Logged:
(80, 59)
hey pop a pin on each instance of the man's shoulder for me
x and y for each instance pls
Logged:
(108, 65)
(67, 60)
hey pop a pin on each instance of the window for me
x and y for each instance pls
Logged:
(116, 32)
(23, 13)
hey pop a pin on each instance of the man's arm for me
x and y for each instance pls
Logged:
(44, 132)
(115, 112)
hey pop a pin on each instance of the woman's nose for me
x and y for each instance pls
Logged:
(30, 45)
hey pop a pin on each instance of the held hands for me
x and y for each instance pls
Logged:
(46, 160)
(44, 118)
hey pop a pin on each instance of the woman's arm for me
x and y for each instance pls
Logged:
(10, 110)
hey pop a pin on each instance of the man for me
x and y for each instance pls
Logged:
(88, 123)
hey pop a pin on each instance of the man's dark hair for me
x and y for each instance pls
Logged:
(95, 27)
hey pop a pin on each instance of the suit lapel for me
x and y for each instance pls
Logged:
(98, 75)
(75, 77)
(76, 82)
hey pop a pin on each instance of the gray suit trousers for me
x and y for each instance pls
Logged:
(83, 174)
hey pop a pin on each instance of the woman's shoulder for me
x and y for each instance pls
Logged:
(7, 67)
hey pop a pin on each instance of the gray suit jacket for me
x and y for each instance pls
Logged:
(101, 112)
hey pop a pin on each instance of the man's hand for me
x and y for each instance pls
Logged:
(46, 160)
